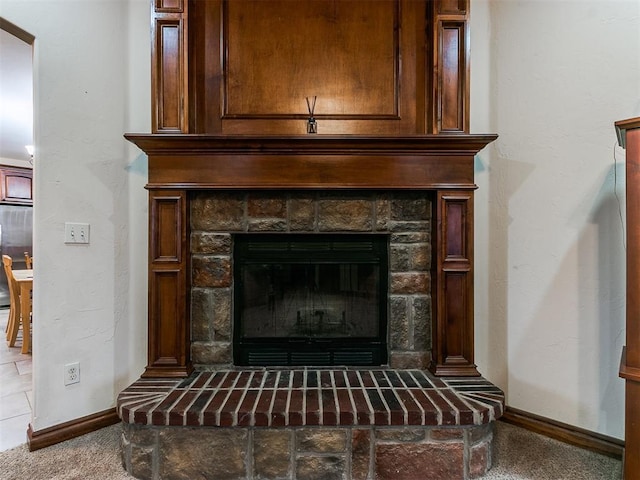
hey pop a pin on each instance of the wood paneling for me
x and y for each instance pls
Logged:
(169, 6)
(345, 53)
(167, 212)
(169, 326)
(169, 68)
(450, 67)
(363, 60)
(452, 284)
(166, 309)
(451, 100)
(455, 7)
(206, 73)
(629, 136)
(377, 67)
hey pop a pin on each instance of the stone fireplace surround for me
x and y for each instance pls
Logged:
(405, 216)
(267, 178)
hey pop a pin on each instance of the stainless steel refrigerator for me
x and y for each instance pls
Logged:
(16, 229)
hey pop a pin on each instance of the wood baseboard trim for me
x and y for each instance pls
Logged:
(71, 429)
(563, 432)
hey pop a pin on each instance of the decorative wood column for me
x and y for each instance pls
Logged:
(169, 67)
(452, 284)
(629, 137)
(450, 66)
(169, 280)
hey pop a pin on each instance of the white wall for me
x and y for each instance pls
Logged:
(549, 77)
(550, 271)
(92, 85)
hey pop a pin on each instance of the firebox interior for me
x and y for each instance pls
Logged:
(313, 300)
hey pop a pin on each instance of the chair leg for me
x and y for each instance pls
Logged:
(14, 326)
(10, 320)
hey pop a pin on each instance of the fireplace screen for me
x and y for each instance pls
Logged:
(310, 299)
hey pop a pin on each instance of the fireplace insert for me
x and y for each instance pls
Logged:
(310, 299)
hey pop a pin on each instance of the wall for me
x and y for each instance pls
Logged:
(91, 75)
(551, 78)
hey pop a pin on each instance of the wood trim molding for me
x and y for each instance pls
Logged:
(563, 432)
(628, 372)
(71, 429)
(16, 31)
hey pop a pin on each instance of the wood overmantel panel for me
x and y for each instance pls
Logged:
(229, 81)
(377, 67)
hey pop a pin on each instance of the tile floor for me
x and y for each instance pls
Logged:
(15, 390)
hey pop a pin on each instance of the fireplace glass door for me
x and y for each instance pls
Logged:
(302, 299)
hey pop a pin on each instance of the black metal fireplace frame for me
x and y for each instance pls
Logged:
(305, 248)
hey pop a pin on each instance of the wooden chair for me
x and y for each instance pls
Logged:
(13, 323)
(28, 259)
(15, 314)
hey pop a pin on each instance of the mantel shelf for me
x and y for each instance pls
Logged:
(188, 161)
(309, 144)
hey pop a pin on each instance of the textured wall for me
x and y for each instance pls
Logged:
(551, 78)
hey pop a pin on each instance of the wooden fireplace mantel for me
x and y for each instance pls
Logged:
(440, 164)
(310, 161)
(391, 81)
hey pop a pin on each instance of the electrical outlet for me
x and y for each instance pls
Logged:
(76, 233)
(72, 373)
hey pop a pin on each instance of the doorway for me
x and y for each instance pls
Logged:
(16, 209)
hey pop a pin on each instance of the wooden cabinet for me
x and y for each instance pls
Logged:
(629, 138)
(16, 185)
(375, 67)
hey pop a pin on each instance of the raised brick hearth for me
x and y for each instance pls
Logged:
(309, 423)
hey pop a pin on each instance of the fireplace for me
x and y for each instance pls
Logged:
(422, 408)
(308, 300)
(205, 191)
(361, 233)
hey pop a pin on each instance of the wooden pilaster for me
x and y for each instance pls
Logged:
(452, 284)
(169, 325)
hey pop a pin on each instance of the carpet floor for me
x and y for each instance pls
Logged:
(518, 455)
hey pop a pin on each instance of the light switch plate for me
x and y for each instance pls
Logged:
(76, 233)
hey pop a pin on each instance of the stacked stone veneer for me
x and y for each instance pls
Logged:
(405, 216)
(385, 453)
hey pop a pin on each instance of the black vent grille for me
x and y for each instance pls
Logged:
(311, 358)
(262, 358)
(353, 358)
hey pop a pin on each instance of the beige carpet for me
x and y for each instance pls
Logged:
(518, 455)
